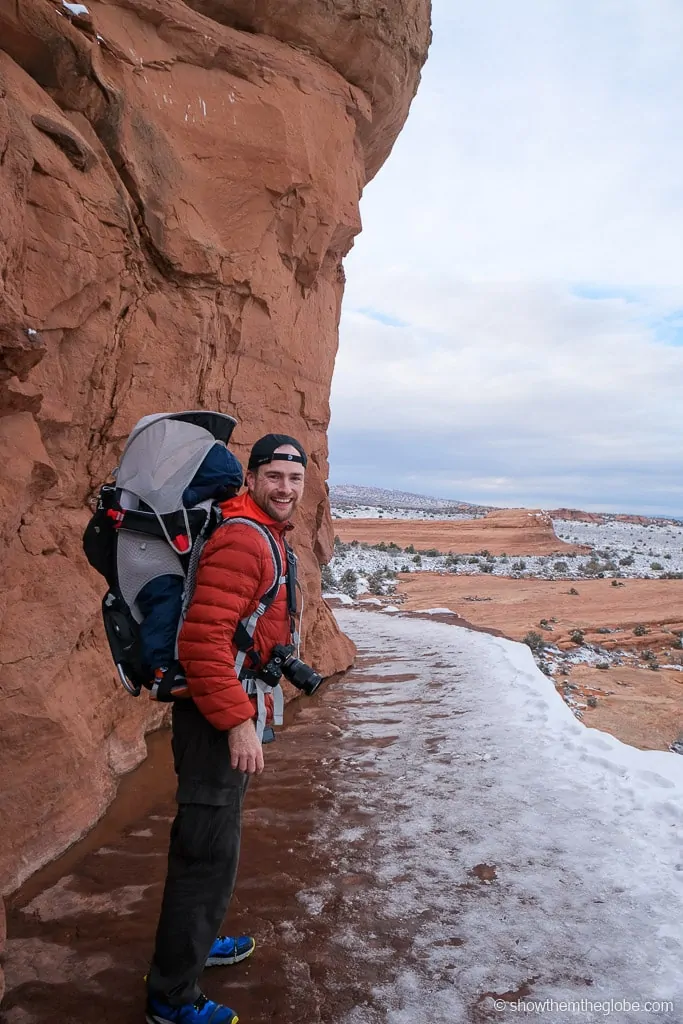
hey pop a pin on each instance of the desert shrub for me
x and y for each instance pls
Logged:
(486, 566)
(405, 568)
(577, 636)
(417, 559)
(348, 584)
(452, 559)
(534, 640)
(573, 591)
(382, 546)
(394, 547)
(627, 560)
(560, 566)
(328, 579)
(410, 550)
(618, 583)
(656, 566)
(430, 553)
(519, 565)
(640, 630)
(473, 561)
(603, 629)
(602, 665)
(376, 583)
(484, 553)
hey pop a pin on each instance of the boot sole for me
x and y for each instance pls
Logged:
(218, 961)
(164, 1020)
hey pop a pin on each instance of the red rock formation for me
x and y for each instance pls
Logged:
(178, 184)
(609, 517)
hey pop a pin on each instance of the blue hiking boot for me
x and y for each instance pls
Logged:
(228, 950)
(204, 1011)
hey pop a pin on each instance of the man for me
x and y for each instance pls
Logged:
(216, 746)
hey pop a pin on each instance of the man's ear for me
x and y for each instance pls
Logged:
(250, 479)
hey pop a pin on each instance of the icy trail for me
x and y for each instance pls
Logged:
(433, 832)
(485, 765)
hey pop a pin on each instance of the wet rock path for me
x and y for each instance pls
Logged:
(401, 861)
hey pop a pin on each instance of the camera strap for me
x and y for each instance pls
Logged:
(291, 592)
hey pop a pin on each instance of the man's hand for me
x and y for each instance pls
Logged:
(246, 752)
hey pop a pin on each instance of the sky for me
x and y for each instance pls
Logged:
(512, 327)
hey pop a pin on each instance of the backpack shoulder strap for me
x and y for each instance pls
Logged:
(244, 634)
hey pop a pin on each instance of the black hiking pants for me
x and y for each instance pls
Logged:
(203, 855)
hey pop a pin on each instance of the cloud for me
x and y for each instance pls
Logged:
(516, 292)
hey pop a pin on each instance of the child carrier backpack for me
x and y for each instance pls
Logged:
(141, 530)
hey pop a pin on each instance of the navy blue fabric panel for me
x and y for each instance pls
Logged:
(160, 601)
(219, 472)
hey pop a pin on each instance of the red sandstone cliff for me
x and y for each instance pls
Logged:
(178, 183)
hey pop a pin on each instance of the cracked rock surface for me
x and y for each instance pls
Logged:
(178, 184)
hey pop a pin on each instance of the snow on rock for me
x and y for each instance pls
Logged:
(513, 849)
(434, 611)
(75, 9)
(337, 596)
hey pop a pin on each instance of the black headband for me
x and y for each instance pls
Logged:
(266, 449)
(279, 457)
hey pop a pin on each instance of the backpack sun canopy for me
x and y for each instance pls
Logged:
(163, 454)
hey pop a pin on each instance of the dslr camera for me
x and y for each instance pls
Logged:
(284, 663)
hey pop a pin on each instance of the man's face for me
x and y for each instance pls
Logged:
(278, 486)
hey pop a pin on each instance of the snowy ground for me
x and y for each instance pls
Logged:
(374, 512)
(523, 857)
(618, 550)
(646, 544)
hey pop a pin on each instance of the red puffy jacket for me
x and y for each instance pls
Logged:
(235, 570)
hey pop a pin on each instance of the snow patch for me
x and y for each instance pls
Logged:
(434, 611)
(342, 598)
(75, 8)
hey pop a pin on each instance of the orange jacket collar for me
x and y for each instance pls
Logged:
(244, 505)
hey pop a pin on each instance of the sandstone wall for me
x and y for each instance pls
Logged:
(178, 186)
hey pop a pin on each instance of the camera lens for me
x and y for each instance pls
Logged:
(301, 676)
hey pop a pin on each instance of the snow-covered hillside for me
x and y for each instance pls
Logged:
(353, 496)
(394, 512)
(652, 544)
